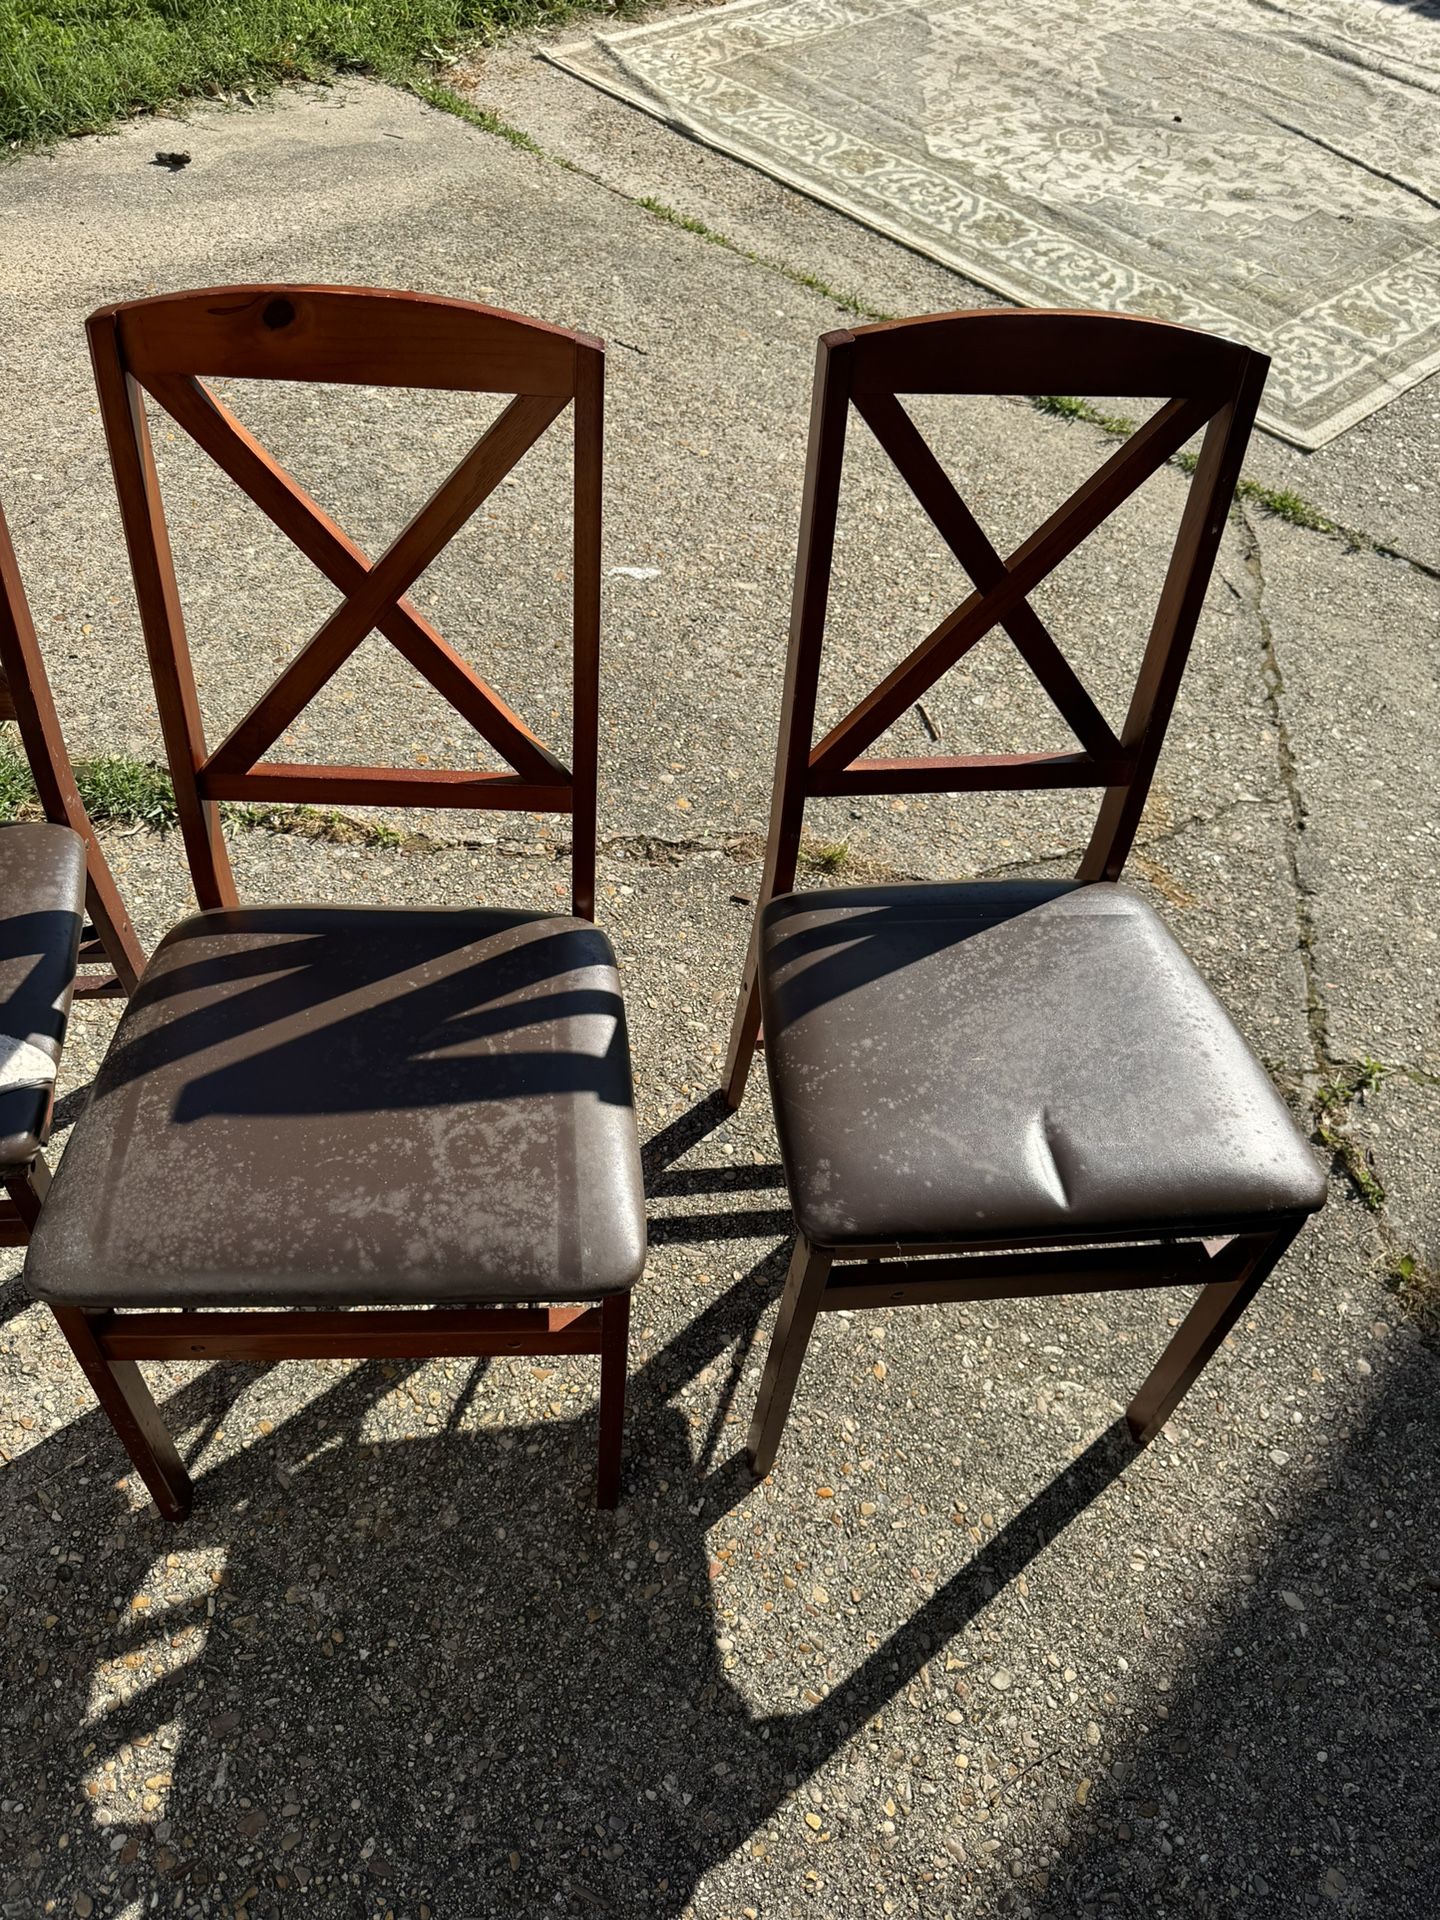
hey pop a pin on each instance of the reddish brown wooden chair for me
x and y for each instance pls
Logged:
(309, 1109)
(109, 940)
(991, 1090)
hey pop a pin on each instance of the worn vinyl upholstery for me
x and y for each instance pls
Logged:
(977, 1061)
(42, 912)
(309, 1105)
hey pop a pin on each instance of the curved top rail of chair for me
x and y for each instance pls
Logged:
(999, 350)
(360, 336)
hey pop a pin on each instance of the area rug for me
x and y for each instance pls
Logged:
(1268, 171)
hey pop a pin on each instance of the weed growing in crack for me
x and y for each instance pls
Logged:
(1416, 1285)
(685, 222)
(1284, 504)
(1064, 406)
(826, 856)
(448, 101)
(1332, 1111)
(797, 275)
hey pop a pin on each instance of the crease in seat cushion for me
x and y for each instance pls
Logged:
(42, 913)
(977, 1060)
(330, 1106)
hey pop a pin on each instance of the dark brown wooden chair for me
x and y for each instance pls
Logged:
(109, 941)
(308, 1109)
(992, 1090)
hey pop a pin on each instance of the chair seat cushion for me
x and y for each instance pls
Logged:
(326, 1106)
(985, 1061)
(42, 911)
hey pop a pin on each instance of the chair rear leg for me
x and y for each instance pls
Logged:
(614, 1366)
(27, 1192)
(121, 1390)
(804, 1284)
(107, 915)
(1219, 1306)
(745, 1032)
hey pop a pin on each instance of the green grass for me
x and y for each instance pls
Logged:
(129, 793)
(17, 788)
(120, 792)
(116, 791)
(75, 66)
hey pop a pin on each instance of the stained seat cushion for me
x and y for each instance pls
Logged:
(42, 903)
(326, 1106)
(975, 1061)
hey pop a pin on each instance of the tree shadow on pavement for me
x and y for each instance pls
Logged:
(1294, 1770)
(413, 1672)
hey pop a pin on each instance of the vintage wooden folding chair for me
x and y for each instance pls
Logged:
(109, 940)
(1001, 1089)
(309, 1109)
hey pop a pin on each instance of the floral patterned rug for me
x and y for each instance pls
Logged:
(1265, 170)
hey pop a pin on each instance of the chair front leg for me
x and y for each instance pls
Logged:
(1249, 1259)
(804, 1284)
(121, 1390)
(614, 1366)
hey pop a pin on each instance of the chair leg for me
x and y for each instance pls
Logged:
(804, 1284)
(27, 1192)
(108, 917)
(614, 1365)
(1211, 1318)
(745, 1032)
(121, 1390)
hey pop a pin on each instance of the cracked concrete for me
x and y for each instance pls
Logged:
(1040, 1675)
(1274, 681)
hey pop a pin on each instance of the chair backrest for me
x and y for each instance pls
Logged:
(359, 336)
(1205, 382)
(25, 698)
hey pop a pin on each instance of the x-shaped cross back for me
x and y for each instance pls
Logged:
(375, 592)
(1001, 589)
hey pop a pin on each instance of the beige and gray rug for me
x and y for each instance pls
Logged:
(1265, 170)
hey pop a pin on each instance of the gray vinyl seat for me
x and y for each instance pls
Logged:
(42, 913)
(309, 1105)
(969, 1062)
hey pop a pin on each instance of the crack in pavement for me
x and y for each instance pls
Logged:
(1251, 592)
(1337, 1084)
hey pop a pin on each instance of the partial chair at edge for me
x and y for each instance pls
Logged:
(992, 1090)
(108, 940)
(47, 877)
(310, 1109)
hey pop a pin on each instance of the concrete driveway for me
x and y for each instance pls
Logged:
(964, 1652)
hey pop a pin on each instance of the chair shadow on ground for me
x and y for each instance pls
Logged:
(432, 1644)
(434, 1674)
